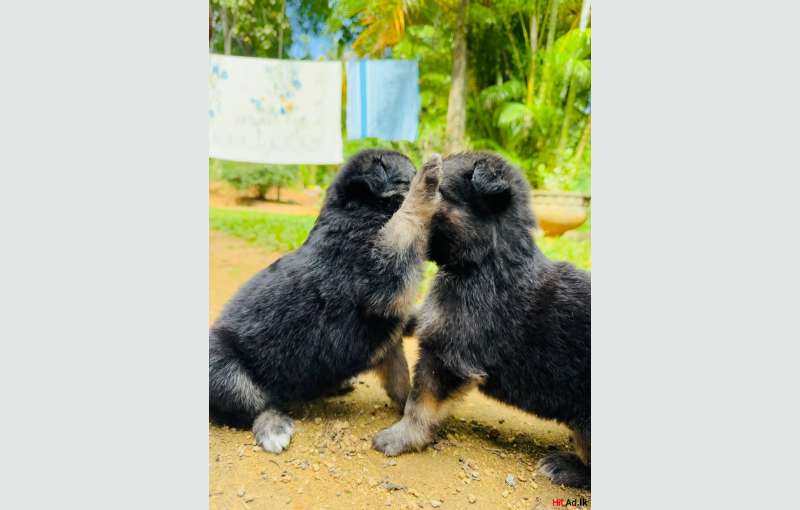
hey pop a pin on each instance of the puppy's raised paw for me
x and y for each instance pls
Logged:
(567, 469)
(427, 180)
(273, 430)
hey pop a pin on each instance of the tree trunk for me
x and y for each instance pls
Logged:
(551, 32)
(280, 38)
(585, 14)
(587, 131)
(534, 31)
(568, 109)
(227, 30)
(457, 102)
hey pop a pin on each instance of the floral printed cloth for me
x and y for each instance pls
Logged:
(275, 111)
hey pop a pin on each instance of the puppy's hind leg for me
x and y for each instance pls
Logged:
(568, 468)
(392, 370)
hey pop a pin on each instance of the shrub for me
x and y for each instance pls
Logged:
(262, 179)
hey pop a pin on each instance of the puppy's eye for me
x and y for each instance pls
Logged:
(468, 175)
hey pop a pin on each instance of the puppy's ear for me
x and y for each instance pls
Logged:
(371, 181)
(491, 186)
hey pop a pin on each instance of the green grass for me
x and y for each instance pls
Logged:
(558, 248)
(275, 232)
(286, 232)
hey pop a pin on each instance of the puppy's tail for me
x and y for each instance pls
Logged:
(234, 399)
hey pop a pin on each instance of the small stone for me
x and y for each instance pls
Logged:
(392, 463)
(240, 492)
(505, 494)
(510, 481)
(318, 420)
(249, 499)
(435, 503)
(391, 486)
(472, 499)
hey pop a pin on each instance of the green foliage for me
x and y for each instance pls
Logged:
(261, 178)
(275, 232)
(214, 170)
(255, 27)
(528, 94)
(544, 130)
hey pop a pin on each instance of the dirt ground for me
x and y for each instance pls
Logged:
(293, 201)
(484, 457)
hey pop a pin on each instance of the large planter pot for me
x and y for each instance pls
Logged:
(559, 211)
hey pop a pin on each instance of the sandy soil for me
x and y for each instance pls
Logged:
(484, 458)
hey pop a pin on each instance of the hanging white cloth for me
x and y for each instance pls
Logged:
(275, 111)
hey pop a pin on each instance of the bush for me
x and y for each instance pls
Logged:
(262, 179)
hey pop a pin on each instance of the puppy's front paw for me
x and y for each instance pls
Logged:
(426, 182)
(399, 438)
(273, 431)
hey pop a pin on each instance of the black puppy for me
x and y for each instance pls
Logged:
(499, 316)
(333, 308)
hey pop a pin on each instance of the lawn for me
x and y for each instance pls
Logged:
(273, 231)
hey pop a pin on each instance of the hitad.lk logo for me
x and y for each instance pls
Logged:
(570, 502)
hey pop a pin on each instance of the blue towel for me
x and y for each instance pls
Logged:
(383, 99)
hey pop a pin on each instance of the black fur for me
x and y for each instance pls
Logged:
(499, 311)
(316, 317)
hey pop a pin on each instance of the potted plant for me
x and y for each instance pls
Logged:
(557, 206)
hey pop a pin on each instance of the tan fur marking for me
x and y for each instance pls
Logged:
(392, 370)
(428, 412)
(408, 227)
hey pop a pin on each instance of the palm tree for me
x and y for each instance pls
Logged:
(457, 101)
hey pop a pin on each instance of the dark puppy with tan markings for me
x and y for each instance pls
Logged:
(333, 308)
(499, 316)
